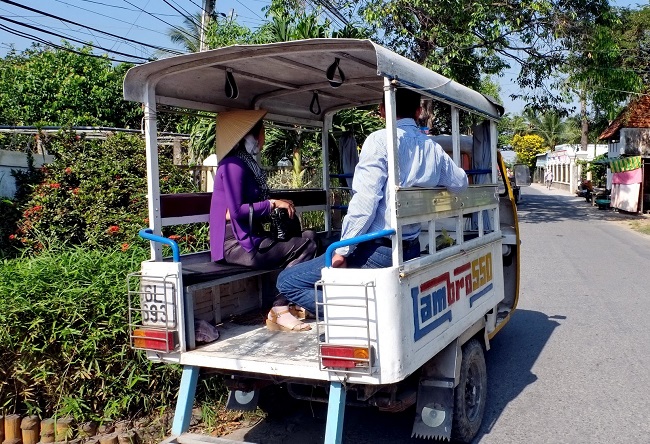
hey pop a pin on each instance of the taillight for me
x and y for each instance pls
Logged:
(344, 356)
(153, 339)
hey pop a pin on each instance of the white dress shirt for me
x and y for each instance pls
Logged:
(422, 162)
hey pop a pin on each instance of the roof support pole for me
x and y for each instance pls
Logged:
(153, 175)
(327, 127)
(393, 167)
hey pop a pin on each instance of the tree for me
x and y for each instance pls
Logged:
(64, 87)
(527, 148)
(509, 125)
(551, 127)
(189, 35)
(634, 42)
(468, 39)
(596, 66)
(223, 31)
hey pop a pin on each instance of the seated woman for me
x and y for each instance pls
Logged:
(240, 205)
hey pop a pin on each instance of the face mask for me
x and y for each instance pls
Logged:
(251, 145)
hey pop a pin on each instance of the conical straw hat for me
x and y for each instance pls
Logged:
(232, 126)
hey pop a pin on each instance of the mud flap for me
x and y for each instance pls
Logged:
(434, 412)
(435, 402)
(242, 401)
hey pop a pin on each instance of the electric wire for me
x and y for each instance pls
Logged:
(122, 7)
(328, 6)
(79, 31)
(333, 19)
(88, 27)
(181, 30)
(73, 39)
(185, 11)
(195, 4)
(254, 13)
(110, 17)
(69, 37)
(187, 16)
(133, 24)
(60, 47)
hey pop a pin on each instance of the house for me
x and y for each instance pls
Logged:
(628, 139)
(563, 161)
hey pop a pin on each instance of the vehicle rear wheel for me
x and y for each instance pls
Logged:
(471, 393)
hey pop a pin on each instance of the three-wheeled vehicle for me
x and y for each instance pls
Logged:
(413, 333)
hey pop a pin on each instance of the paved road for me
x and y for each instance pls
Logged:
(572, 366)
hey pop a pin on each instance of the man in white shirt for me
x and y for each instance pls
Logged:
(422, 162)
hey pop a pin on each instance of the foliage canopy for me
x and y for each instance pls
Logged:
(43, 86)
(527, 148)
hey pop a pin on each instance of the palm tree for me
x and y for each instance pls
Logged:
(188, 36)
(551, 127)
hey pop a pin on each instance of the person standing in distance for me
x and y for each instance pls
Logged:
(548, 178)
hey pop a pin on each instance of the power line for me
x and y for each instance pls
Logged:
(185, 11)
(108, 16)
(254, 13)
(54, 28)
(121, 7)
(181, 30)
(198, 6)
(54, 45)
(187, 15)
(73, 39)
(132, 24)
(328, 6)
(88, 27)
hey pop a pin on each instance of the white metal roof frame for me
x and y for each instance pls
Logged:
(284, 77)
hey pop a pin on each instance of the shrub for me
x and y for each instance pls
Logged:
(10, 216)
(64, 344)
(25, 180)
(94, 193)
(527, 148)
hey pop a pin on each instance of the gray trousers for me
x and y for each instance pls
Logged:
(270, 254)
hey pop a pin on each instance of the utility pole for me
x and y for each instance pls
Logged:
(208, 10)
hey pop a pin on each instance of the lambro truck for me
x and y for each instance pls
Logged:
(413, 333)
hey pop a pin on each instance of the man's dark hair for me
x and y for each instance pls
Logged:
(407, 102)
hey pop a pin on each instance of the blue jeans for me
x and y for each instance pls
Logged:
(296, 283)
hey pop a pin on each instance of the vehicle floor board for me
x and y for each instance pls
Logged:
(257, 343)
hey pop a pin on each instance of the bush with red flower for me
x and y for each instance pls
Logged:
(94, 193)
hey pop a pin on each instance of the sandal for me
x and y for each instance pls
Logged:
(283, 320)
(300, 312)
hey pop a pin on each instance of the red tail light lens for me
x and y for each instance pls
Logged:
(344, 356)
(153, 339)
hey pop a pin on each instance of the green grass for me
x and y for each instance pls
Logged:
(64, 345)
(642, 226)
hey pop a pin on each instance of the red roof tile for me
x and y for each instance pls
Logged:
(636, 115)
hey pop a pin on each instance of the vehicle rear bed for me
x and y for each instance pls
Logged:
(254, 348)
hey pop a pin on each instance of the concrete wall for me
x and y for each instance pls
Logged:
(16, 160)
(632, 141)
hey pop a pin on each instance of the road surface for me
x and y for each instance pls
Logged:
(573, 364)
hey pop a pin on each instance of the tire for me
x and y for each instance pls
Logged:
(470, 395)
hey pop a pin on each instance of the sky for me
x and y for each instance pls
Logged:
(145, 22)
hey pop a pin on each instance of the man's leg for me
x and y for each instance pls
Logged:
(297, 283)
(370, 255)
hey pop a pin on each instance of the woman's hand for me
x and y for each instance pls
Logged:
(287, 204)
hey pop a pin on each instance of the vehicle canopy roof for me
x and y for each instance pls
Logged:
(284, 78)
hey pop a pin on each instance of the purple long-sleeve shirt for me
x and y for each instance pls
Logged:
(234, 189)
